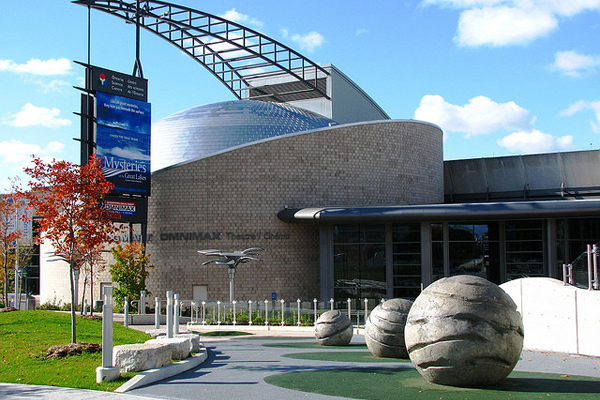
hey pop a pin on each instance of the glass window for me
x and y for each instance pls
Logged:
(359, 261)
(524, 249)
(471, 249)
(406, 260)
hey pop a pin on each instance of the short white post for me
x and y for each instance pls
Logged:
(142, 304)
(234, 321)
(176, 315)
(249, 312)
(126, 312)
(315, 306)
(589, 262)
(298, 301)
(282, 312)
(366, 310)
(169, 314)
(331, 304)
(219, 312)
(349, 301)
(203, 313)
(595, 251)
(107, 372)
(266, 312)
(156, 313)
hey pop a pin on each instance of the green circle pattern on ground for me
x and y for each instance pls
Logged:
(344, 356)
(406, 383)
(315, 345)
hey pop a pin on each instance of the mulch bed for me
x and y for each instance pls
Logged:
(72, 349)
(7, 309)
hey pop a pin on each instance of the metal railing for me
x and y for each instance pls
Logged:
(583, 271)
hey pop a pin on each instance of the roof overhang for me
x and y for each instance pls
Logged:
(443, 212)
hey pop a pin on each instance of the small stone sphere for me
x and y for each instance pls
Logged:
(464, 331)
(333, 328)
(384, 330)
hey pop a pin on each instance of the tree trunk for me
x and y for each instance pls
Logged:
(5, 280)
(85, 278)
(73, 316)
(92, 289)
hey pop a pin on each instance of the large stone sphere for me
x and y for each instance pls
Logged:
(333, 328)
(384, 330)
(464, 331)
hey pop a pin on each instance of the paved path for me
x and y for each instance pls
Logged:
(236, 369)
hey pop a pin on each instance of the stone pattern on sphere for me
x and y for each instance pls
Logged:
(333, 328)
(384, 330)
(464, 331)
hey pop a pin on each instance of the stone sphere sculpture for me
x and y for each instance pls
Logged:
(333, 328)
(384, 330)
(464, 331)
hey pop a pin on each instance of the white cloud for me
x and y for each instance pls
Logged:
(233, 15)
(527, 142)
(15, 155)
(510, 22)
(583, 106)
(574, 64)
(360, 31)
(501, 26)
(61, 66)
(479, 116)
(309, 41)
(31, 115)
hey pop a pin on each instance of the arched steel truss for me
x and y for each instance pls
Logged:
(239, 57)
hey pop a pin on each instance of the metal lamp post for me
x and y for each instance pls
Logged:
(231, 259)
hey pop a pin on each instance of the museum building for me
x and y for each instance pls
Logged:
(352, 205)
(346, 202)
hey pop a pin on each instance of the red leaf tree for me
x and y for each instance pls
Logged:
(69, 200)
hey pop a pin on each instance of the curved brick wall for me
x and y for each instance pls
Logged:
(230, 201)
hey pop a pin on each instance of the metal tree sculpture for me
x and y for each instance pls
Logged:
(232, 259)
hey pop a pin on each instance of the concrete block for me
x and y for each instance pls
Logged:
(142, 356)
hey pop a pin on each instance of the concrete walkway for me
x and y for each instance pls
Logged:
(236, 369)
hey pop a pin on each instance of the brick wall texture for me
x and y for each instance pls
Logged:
(230, 201)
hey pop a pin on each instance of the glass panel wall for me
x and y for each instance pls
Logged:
(406, 242)
(474, 250)
(437, 251)
(524, 249)
(359, 262)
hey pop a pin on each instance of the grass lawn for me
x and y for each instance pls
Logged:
(24, 334)
(406, 383)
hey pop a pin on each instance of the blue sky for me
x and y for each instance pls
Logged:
(500, 77)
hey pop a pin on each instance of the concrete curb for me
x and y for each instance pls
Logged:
(154, 375)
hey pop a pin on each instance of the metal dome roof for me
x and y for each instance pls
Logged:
(202, 131)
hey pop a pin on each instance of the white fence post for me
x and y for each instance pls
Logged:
(142, 304)
(266, 312)
(249, 312)
(282, 311)
(219, 312)
(126, 312)
(298, 301)
(315, 307)
(107, 372)
(169, 314)
(234, 320)
(176, 311)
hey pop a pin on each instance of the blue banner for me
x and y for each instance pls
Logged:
(123, 142)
